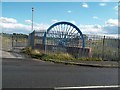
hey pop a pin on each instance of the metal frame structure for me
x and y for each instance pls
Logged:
(63, 31)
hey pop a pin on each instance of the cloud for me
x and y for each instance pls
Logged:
(98, 29)
(73, 22)
(110, 28)
(10, 25)
(18, 28)
(28, 21)
(91, 29)
(40, 26)
(7, 20)
(95, 17)
(54, 21)
(15, 27)
(69, 11)
(112, 22)
(85, 5)
(116, 8)
(103, 4)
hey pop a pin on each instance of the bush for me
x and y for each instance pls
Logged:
(57, 56)
(27, 50)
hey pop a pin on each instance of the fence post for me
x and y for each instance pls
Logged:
(12, 40)
(44, 42)
(103, 48)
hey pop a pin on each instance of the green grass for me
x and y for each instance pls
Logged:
(54, 56)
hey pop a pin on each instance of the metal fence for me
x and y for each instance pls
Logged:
(6, 42)
(103, 47)
(100, 46)
(34, 38)
(9, 41)
(96, 46)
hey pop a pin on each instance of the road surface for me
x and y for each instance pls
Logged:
(28, 73)
(21, 72)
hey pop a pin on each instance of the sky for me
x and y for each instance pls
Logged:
(89, 17)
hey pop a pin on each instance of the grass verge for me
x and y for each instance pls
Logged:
(54, 56)
(63, 58)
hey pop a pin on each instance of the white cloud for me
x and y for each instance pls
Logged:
(116, 8)
(11, 25)
(91, 29)
(98, 29)
(40, 26)
(14, 27)
(28, 21)
(54, 21)
(110, 28)
(69, 11)
(85, 5)
(73, 22)
(95, 17)
(112, 22)
(7, 20)
(18, 28)
(103, 4)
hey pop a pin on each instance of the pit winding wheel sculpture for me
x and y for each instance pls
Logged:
(63, 34)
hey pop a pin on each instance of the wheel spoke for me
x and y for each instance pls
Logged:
(64, 33)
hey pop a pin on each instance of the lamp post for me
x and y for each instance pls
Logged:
(32, 17)
(33, 36)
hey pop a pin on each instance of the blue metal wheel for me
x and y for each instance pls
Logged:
(64, 34)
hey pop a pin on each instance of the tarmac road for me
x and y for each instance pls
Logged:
(29, 73)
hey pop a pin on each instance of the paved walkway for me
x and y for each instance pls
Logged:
(5, 54)
(13, 53)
